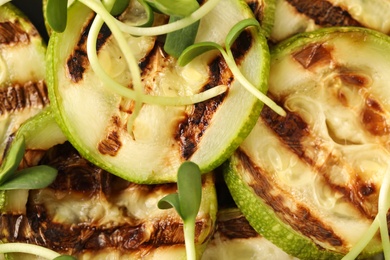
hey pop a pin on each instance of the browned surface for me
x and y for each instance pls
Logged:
(324, 13)
(79, 178)
(20, 96)
(299, 218)
(12, 33)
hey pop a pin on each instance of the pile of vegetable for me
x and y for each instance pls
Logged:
(177, 129)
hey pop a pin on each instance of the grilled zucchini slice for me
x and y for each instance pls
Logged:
(94, 118)
(23, 91)
(309, 182)
(92, 214)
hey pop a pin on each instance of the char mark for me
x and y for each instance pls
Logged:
(324, 13)
(300, 219)
(191, 130)
(291, 128)
(12, 33)
(18, 97)
(77, 62)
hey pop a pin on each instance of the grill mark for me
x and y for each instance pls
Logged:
(300, 219)
(324, 13)
(12, 33)
(361, 194)
(20, 96)
(237, 227)
(191, 129)
(78, 62)
(37, 228)
(257, 9)
(112, 143)
(373, 118)
(291, 128)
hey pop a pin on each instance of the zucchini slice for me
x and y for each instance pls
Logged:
(92, 214)
(310, 182)
(23, 90)
(94, 118)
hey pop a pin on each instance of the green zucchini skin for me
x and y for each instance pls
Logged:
(310, 182)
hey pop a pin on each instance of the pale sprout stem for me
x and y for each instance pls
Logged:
(105, 16)
(244, 81)
(28, 249)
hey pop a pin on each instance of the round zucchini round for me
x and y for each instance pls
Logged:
(310, 182)
(94, 117)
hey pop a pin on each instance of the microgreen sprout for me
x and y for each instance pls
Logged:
(34, 250)
(199, 48)
(57, 14)
(186, 202)
(36, 177)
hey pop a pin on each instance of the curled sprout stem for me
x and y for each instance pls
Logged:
(171, 27)
(28, 249)
(122, 90)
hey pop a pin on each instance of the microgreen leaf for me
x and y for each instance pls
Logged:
(176, 8)
(12, 159)
(57, 14)
(176, 42)
(170, 201)
(186, 202)
(36, 177)
(189, 184)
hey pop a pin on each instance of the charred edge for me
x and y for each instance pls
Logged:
(324, 13)
(257, 9)
(18, 97)
(78, 62)
(301, 219)
(12, 33)
(236, 228)
(191, 130)
(291, 128)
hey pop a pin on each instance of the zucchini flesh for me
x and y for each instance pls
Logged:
(94, 118)
(310, 182)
